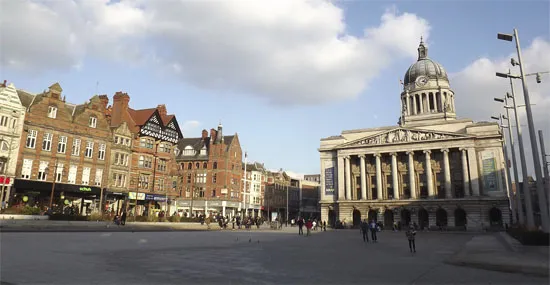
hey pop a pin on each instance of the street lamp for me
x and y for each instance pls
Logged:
(505, 152)
(531, 125)
(519, 205)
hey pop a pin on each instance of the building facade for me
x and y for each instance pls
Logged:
(432, 169)
(210, 174)
(64, 147)
(152, 180)
(12, 115)
(309, 198)
(282, 195)
(256, 177)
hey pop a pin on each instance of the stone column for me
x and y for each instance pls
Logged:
(474, 177)
(421, 97)
(363, 178)
(323, 184)
(446, 165)
(414, 104)
(340, 179)
(411, 174)
(429, 179)
(348, 178)
(434, 100)
(378, 177)
(408, 104)
(395, 180)
(465, 176)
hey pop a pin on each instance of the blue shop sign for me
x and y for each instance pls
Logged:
(152, 197)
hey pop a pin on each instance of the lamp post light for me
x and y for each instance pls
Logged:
(518, 200)
(531, 125)
(505, 152)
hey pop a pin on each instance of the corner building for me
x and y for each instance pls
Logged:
(210, 173)
(432, 169)
(63, 143)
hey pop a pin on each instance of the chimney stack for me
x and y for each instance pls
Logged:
(104, 101)
(204, 134)
(212, 135)
(120, 102)
(162, 110)
(5, 82)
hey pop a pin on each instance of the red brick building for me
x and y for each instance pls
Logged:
(65, 143)
(153, 169)
(210, 172)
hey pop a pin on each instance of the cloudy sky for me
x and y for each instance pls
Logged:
(282, 74)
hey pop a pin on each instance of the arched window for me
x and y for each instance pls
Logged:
(190, 165)
(215, 165)
(205, 165)
(197, 165)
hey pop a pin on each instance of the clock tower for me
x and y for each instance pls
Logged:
(427, 96)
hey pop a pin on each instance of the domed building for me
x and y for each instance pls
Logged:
(432, 169)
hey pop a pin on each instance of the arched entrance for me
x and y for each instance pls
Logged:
(495, 217)
(423, 219)
(356, 218)
(372, 216)
(460, 217)
(331, 218)
(405, 217)
(441, 217)
(388, 219)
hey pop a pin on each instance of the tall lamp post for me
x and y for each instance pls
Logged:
(518, 200)
(531, 125)
(545, 165)
(53, 181)
(505, 151)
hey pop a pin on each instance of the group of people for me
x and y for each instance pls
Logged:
(223, 222)
(374, 228)
(120, 219)
(310, 224)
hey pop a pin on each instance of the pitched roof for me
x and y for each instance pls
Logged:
(141, 116)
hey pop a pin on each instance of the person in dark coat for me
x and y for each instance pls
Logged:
(365, 230)
(123, 218)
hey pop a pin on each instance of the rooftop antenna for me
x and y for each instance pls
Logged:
(96, 87)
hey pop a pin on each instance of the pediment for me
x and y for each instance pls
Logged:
(402, 135)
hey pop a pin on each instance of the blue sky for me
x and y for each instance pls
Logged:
(276, 125)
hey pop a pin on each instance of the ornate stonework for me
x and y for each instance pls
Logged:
(402, 135)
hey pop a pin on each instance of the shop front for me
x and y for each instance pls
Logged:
(115, 202)
(6, 183)
(210, 207)
(67, 198)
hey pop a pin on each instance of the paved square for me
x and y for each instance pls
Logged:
(238, 257)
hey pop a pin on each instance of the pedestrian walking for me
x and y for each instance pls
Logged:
(309, 225)
(300, 226)
(373, 230)
(411, 233)
(123, 218)
(365, 230)
(325, 226)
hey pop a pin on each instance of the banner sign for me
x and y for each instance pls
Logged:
(489, 172)
(329, 181)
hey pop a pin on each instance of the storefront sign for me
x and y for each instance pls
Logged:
(85, 189)
(329, 181)
(152, 197)
(132, 196)
(489, 171)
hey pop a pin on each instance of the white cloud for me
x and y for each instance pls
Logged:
(285, 51)
(189, 128)
(476, 86)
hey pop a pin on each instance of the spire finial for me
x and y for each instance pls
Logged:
(422, 49)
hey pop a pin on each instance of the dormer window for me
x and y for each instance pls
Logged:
(203, 150)
(188, 150)
(52, 112)
(92, 123)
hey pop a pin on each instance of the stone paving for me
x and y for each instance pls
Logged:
(238, 257)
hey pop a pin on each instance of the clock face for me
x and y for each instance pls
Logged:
(421, 80)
